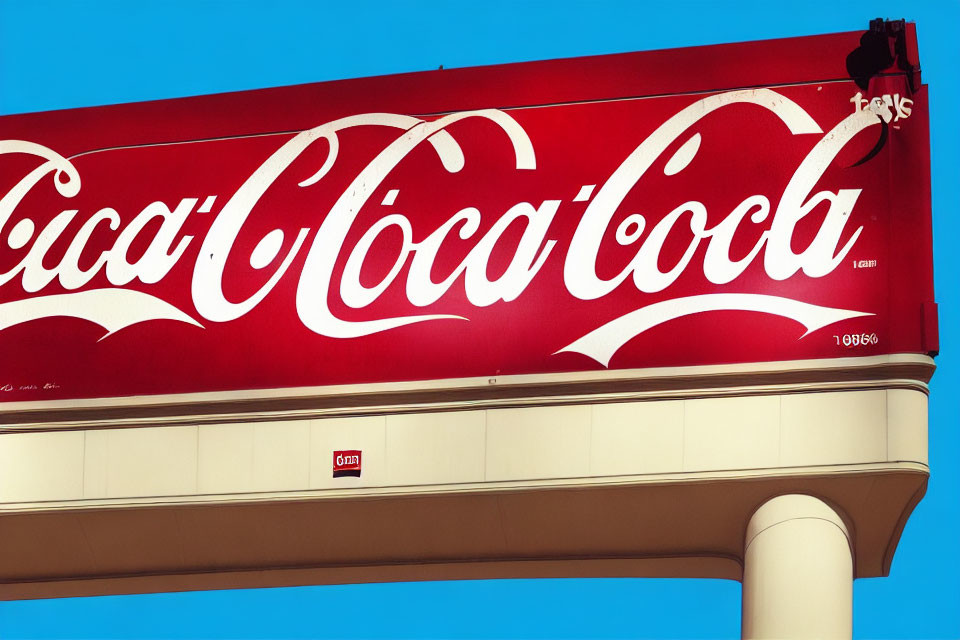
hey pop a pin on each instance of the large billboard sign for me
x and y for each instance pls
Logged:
(619, 212)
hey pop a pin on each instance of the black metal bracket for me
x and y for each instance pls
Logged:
(883, 44)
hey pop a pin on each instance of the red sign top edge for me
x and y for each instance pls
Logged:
(797, 60)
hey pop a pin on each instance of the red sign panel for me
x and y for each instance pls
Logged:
(346, 463)
(617, 212)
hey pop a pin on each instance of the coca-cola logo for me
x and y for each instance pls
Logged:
(119, 306)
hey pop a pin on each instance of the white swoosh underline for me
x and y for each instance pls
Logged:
(602, 343)
(116, 309)
(112, 309)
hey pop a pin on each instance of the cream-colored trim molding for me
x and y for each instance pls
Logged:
(368, 493)
(895, 371)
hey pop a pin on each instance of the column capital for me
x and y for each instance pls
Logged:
(798, 571)
(794, 506)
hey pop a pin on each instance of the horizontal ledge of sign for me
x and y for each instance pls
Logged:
(656, 565)
(895, 371)
(900, 468)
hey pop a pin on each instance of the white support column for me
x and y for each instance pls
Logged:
(798, 571)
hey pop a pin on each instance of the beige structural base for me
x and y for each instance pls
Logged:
(798, 571)
(655, 473)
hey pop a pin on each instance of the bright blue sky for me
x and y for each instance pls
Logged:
(68, 54)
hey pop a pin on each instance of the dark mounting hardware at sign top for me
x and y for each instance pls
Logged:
(881, 46)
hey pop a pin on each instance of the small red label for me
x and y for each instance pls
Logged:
(346, 463)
